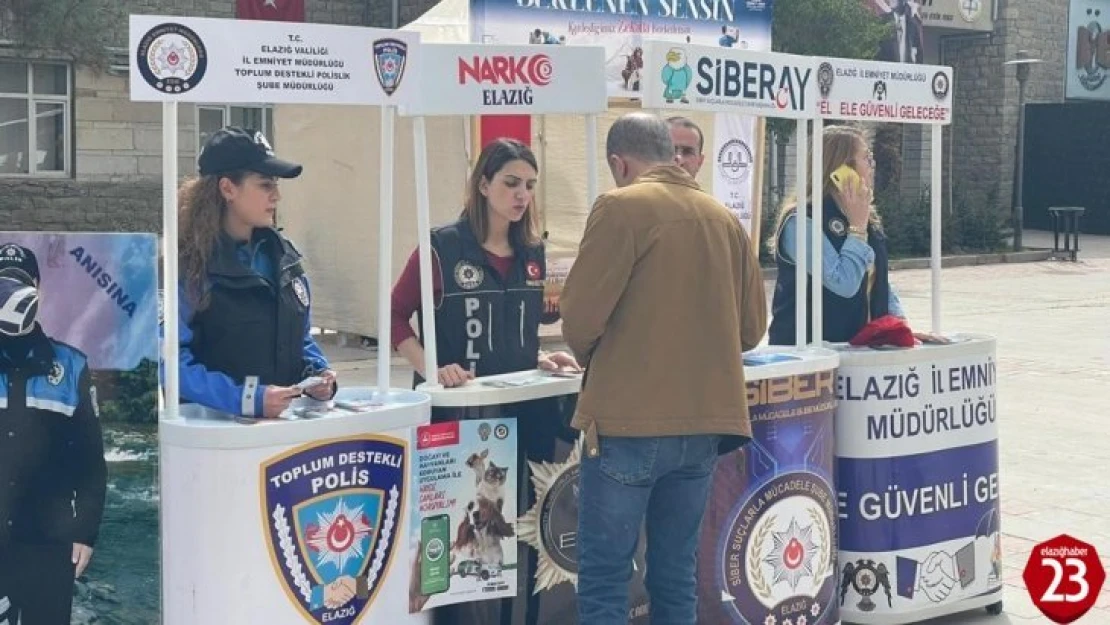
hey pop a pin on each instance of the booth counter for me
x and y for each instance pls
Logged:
(917, 469)
(291, 520)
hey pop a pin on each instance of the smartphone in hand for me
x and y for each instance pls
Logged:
(842, 176)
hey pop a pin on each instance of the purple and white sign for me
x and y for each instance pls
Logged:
(917, 474)
(768, 548)
(333, 512)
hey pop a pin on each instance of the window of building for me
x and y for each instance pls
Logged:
(212, 117)
(34, 118)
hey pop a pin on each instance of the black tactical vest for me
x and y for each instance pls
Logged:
(484, 320)
(252, 327)
(843, 317)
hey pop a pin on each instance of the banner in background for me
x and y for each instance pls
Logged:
(1088, 50)
(99, 293)
(464, 513)
(735, 171)
(622, 28)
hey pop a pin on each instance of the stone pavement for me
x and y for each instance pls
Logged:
(1054, 374)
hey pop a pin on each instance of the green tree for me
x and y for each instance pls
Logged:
(136, 395)
(79, 29)
(838, 28)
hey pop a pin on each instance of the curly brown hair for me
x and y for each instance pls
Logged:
(201, 211)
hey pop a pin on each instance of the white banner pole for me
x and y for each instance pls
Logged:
(591, 159)
(935, 235)
(385, 250)
(169, 258)
(817, 231)
(424, 235)
(801, 136)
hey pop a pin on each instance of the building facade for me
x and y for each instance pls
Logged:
(76, 154)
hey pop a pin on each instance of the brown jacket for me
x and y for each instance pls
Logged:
(665, 294)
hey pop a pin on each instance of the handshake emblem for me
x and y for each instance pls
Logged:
(938, 575)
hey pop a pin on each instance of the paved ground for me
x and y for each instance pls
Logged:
(1054, 374)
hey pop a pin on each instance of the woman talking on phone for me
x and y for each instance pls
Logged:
(243, 323)
(854, 265)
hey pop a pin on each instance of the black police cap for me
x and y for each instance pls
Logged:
(19, 263)
(242, 149)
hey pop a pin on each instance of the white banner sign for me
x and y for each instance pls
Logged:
(473, 79)
(884, 92)
(1088, 53)
(190, 59)
(727, 80)
(734, 167)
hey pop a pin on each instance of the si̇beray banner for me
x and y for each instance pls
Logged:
(621, 26)
(99, 293)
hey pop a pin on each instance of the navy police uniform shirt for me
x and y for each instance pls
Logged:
(256, 330)
(485, 321)
(53, 476)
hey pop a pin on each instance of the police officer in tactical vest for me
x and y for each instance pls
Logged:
(855, 282)
(244, 319)
(488, 273)
(53, 476)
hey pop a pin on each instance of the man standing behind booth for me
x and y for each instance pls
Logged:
(689, 141)
(664, 295)
(53, 477)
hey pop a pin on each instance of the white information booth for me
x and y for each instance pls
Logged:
(300, 518)
(916, 428)
(474, 79)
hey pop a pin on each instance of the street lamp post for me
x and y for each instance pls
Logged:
(1023, 64)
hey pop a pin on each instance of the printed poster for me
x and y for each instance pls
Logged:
(734, 165)
(768, 547)
(621, 27)
(464, 534)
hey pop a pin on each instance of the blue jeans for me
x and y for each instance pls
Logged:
(665, 480)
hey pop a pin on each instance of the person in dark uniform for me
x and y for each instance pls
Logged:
(53, 477)
(244, 317)
(488, 271)
(854, 266)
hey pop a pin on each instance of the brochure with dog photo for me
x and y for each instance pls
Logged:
(463, 517)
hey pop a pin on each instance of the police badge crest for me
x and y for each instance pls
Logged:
(300, 290)
(389, 63)
(332, 512)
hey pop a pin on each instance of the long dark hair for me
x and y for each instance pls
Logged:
(493, 158)
(201, 210)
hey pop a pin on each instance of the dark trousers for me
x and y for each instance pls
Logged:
(38, 581)
(540, 424)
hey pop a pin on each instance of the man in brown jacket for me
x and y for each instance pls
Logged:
(664, 295)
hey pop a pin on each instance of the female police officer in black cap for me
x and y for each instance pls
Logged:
(53, 476)
(245, 300)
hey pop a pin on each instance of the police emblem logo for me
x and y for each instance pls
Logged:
(825, 75)
(172, 58)
(390, 56)
(260, 139)
(57, 372)
(333, 515)
(300, 290)
(865, 577)
(483, 431)
(468, 275)
(782, 540)
(11, 253)
(550, 523)
(940, 85)
(837, 226)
